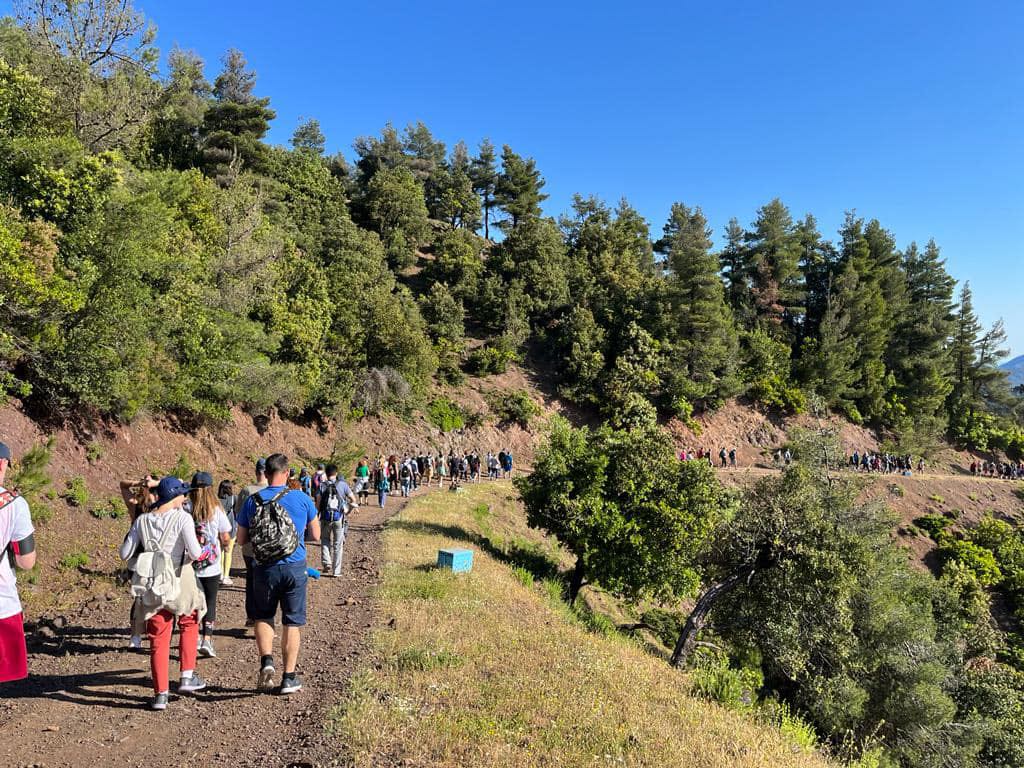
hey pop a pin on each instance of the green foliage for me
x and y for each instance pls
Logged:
(424, 660)
(73, 560)
(445, 415)
(977, 560)
(713, 678)
(935, 525)
(75, 492)
(32, 480)
(397, 209)
(182, 467)
(489, 360)
(665, 624)
(93, 452)
(628, 510)
(513, 407)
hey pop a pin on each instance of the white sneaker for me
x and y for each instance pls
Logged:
(265, 681)
(206, 649)
(226, 582)
(135, 643)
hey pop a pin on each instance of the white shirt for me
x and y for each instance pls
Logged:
(15, 525)
(214, 528)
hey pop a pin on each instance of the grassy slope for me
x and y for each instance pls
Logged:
(491, 669)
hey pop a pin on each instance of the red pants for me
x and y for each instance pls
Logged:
(159, 629)
(13, 659)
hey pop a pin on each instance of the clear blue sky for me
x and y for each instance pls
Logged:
(910, 112)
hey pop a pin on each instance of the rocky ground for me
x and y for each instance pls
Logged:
(85, 701)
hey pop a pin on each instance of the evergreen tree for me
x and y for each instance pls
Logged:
(920, 346)
(484, 174)
(829, 353)
(518, 189)
(396, 208)
(309, 138)
(868, 321)
(703, 347)
(735, 258)
(174, 131)
(235, 122)
(774, 270)
(818, 266)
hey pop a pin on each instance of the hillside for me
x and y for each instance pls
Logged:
(491, 668)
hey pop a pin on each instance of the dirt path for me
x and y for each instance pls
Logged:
(85, 701)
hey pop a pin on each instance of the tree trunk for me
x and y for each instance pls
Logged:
(698, 617)
(576, 581)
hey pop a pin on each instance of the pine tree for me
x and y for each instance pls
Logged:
(868, 321)
(829, 353)
(818, 266)
(308, 137)
(518, 189)
(735, 260)
(484, 174)
(774, 271)
(703, 345)
(920, 345)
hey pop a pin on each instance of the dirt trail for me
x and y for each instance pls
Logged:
(85, 701)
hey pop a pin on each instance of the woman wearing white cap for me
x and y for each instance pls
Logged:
(171, 594)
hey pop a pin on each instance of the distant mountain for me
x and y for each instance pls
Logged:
(1016, 369)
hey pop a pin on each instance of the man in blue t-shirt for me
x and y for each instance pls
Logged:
(281, 583)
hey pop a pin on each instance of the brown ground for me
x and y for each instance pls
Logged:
(85, 702)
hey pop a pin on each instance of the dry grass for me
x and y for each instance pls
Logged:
(491, 669)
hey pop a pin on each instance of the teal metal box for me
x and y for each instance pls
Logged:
(458, 560)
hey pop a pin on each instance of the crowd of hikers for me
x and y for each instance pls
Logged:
(1004, 470)
(179, 547)
(884, 463)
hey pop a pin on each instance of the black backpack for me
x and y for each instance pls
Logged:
(272, 531)
(330, 502)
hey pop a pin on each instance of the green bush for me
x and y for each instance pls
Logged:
(935, 525)
(976, 559)
(515, 407)
(665, 624)
(445, 415)
(93, 452)
(735, 688)
(32, 480)
(73, 560)
(489, 360)
(76, 493)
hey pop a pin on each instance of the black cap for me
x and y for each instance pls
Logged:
(261, 464)
(5, 452)
(202, 480)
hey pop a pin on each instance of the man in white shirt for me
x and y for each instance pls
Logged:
(18, 545)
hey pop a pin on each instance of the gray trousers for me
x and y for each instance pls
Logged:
(332, 547)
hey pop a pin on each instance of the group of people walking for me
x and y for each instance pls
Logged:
(179, 547)
(1004, 470)
(884, 463)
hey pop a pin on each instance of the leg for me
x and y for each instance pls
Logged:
(250, 567)
(264, 638)
(290, 641)
(225, 560)
(326, 548)
(188, 628)
(210, 585)
(338, 544)
(158, 630)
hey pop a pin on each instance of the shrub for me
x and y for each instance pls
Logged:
(182, 467)
(93, 452)
(976, 559)
(513, 407)
(380, 389)
(445, 415)
(731, 687)
(665, 624)
(778, 714)
(73, 560)
(935, 525)
(32, 480)
(76, 493)
(488, 360)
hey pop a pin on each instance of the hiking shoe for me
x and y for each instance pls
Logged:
(206, 649)
(291, 684)
(191, 684)
(135, 643)
(159, 702)
(265, 681)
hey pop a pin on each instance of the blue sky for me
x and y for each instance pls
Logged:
(910, 112)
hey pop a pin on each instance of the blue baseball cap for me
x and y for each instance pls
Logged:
(5, 452)
(168, 489)
(202, 480)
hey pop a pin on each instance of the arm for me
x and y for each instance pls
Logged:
(243, 536)
(312, 521)
(188, 533)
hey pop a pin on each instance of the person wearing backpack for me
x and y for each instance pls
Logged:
(162, 542)
(226, 496)
(362, 479)
(273, 521)
(405, 474)
(213, 530)
(250, 563)
(382, 485)
(335, 502)
(17, 540)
